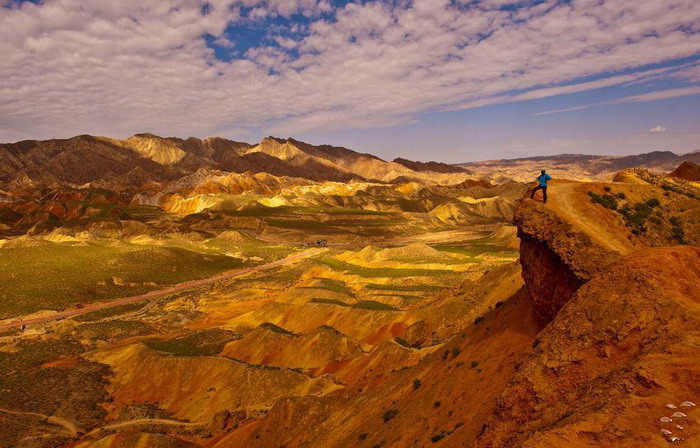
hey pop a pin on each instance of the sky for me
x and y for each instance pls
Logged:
(446, 80)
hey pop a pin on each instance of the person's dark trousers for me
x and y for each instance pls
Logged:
(544, 192)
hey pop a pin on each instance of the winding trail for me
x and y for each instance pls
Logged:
(29, 320)
(570, 201)
(53, 420)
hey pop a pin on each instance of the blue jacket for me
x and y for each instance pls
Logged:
(543, 178)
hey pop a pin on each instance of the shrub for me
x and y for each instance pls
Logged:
(653, 202)
(475, 364)
(363, 436)
(438, 437)
(478, 320)
(390, 414)
(437, 404)
(606, 200)
(675, 221)
(416, 384)
(636, 216)
(621, 196)
(455, 352)
(607, 188)
(678, 234)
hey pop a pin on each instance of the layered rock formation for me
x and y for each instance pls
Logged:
(618, 348)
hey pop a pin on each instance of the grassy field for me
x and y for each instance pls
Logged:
(55, 276)
(108, 312)
(203, 343)
(361, 305)
(475, 249)
(330, 284)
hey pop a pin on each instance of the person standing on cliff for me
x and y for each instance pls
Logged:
(541, 185)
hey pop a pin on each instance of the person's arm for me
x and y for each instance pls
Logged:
(549, 177)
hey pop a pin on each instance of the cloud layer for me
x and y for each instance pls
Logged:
(116, 68)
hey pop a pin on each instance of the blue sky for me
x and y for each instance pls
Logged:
(450, 80)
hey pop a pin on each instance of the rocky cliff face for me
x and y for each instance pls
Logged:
(619, 352)
(556, 258)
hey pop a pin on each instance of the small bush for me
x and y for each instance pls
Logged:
(437, 404)
(475, 364)
(653, 202)
(607, 188)
(363, 436)
(621, 196)
(478, 320)
(655, 220)
(675, 221)
(678, 234)
(606, 200)
(416, 384)
(437, 437)
(636, 216)
(455, 352)
(390, 414)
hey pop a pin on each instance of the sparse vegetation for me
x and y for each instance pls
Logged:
(332, 285)
(55, 276)
(277, 329)
(329, 301)
(402, 342)
(637, 215)
(374, 305)
(416, 384)
(380, 272)
(678, 234)
(606, 200)
(109, 312)
(204, 343)
(403, 288)
(653, 202)
(390, 415)
(438, 437)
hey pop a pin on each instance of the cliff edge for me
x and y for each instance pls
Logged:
(619, 354)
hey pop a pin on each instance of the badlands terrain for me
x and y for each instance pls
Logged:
(160, 292)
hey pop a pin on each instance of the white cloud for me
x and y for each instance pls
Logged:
(663, 94)
(657, 129)
(106, 67)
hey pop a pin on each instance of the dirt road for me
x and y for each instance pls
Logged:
(28, 320)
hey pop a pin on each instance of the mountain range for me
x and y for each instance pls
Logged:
(144, 158)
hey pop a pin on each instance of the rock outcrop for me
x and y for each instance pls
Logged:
(556, 257)
(619, 347)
